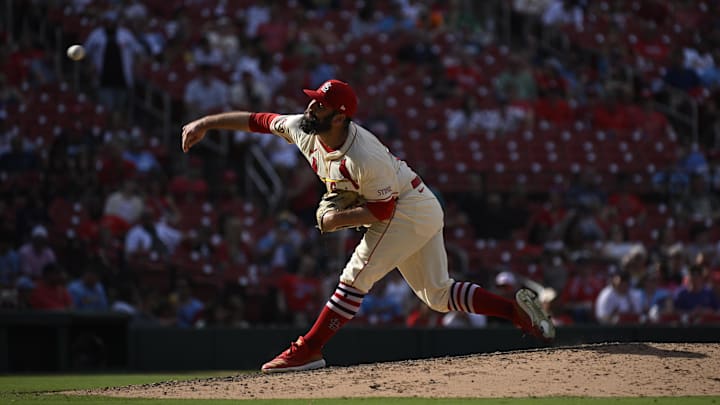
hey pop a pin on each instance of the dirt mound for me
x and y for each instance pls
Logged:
(639, 369)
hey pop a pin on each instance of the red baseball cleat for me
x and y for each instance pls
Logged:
(535, 322)
(298, 357)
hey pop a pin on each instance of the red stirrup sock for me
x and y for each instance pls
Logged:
(471, 298)
(342, 307)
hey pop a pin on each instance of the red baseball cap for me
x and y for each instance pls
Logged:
(336, 95)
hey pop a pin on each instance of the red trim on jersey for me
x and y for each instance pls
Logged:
(260, 122)
(416, 182)
(346, 173)
(382, 210)
(327, 148)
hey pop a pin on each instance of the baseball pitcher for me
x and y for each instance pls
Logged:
(369, 187)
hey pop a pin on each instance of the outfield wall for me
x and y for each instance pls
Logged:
(62, 342)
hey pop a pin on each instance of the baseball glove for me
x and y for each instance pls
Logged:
(336, 201)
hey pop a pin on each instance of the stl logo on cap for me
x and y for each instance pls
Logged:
(335, 94)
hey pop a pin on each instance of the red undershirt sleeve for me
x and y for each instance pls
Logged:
(382, 210)
(260, 122)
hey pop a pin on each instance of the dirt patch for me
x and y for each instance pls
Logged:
(640, 369)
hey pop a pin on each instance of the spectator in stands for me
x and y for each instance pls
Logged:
(582, 229)
(702, 247)
(695, 298)
(169, 235)
(387, 303)
(564, 12)
(466, 120)
(24, 288)
(618, 301)
(269, 73)
(137, 154)
(301, 291)
(125, 204)
(555, 270)
(9, 260)
(318, 71)
(666, 239)
(701, 60)
(699, 203)
(50, 291)
(239, 242)
(679, 77)
(634, 262)
(143, 240)
(188, 308)
(656, 300)
(257, 14)
(205, 54)
(548, 80)
(29, 62)
(126, 300)
(617, 246)
(690, 161)
(88, 293)
(517, 81)
(274, 33)
(363, 22)
(544, 224)
(675, 267)
(394, 20)
(205, 94)
(580, 292)
(279, 247)
(112, 50)
(506, 284)
(36, 254)
(585, 192)
(246, 92)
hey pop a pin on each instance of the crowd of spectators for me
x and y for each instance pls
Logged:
(107, 216)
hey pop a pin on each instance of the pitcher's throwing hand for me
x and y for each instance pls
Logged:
(192, 133)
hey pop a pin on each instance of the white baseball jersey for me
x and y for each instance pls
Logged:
(363, 164)
(411, 239)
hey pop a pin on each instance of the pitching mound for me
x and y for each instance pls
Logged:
(642, 369)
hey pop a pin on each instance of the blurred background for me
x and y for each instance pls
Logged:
(575, 146)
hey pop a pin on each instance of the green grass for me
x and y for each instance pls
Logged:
(45, 383)
(42, 390)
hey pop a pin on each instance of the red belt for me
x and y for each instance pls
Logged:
(416, 182)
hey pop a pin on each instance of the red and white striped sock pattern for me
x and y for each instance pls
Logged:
(346, 301)
(471, 298)
(461, 296)
(339, 310)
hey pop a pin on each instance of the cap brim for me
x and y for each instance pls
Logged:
(314, 94)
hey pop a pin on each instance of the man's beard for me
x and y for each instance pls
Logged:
(315, 126)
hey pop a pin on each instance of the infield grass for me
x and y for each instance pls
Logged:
(42, 390)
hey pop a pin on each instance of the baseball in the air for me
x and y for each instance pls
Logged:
(76, 52)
